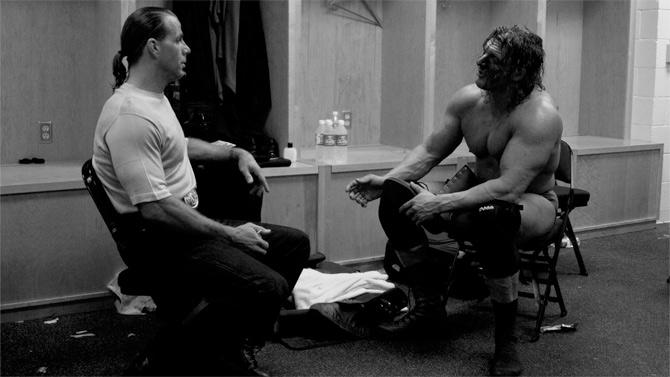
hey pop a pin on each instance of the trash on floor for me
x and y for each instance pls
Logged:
(563, 327)
(82, 334)
(51, 321)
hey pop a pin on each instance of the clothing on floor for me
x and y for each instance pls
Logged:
(316, 287)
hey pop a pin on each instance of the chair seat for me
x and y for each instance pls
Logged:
(580, 198)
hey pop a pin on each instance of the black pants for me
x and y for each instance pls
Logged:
(245, 289)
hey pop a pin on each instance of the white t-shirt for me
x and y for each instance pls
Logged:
(139, 149)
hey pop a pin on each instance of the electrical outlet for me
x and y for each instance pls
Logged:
(46, 132)
(346, 116)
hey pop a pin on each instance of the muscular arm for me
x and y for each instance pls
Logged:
(440, 144)
(173, 215)
(525, 157)
(421, 159)
(200, 150)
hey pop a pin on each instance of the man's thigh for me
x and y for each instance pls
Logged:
(288, 249)
(537, 216)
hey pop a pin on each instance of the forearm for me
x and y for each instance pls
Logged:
(174, 216)
(417, 164)
(477, 195)
(200, 150)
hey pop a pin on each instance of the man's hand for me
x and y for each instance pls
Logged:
(423, 207)
(365, 189)
(251, 172)
(249, 236)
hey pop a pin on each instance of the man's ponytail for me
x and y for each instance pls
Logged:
(119, 70)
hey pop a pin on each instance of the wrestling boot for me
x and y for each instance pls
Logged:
(426, 316)
(505, 361)
(250, 348)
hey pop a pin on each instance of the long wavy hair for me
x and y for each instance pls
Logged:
(522, 49)
(142, 24)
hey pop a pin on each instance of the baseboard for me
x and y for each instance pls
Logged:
(51, 308)
(585, 233)
(364, 264)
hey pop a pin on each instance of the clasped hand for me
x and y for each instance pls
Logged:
(250, 237)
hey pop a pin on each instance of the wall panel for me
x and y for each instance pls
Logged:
(462, 27)
(56, 66)
(605, 68)
(340, 68)
(562, 65)
(54, 245)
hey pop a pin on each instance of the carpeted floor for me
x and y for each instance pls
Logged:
(621, 310)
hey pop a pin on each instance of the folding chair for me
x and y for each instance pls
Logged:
(580, 198)
(539, 258)
(538, 267)
(131, 280)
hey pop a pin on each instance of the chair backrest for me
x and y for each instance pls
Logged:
(114, 221)
(564, 170)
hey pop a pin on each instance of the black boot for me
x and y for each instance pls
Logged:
(250, 348)
(505, 361)
(425, 317)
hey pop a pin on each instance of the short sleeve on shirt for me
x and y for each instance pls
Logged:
(135, 148)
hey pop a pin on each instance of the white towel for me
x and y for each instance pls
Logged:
(315, 287)
(130, 305)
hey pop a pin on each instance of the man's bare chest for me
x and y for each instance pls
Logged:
(486, 135)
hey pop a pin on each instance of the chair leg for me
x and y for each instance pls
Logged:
(575, 246)
(553, 280)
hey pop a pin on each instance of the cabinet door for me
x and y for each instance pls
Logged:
(349, 231)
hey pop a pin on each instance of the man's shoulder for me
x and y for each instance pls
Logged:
(538, 113)
(465, 98)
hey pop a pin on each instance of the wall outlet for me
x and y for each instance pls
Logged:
(346, 116)
(46, 132)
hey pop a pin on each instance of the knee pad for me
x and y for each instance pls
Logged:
(492, 228)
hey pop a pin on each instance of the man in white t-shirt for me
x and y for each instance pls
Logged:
(244, 270)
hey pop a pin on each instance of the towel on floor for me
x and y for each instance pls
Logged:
(315, 287)
(128, 304)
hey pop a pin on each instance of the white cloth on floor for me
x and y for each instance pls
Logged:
(315, 287)
(128, 304)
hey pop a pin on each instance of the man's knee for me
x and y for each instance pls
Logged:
(505, 289)
(271, 290)
(493, 229)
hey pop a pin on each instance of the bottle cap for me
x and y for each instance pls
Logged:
(290, 145)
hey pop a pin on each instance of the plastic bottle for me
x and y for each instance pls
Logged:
(340, 151)
(336, 118)
(319, 140)
(328, 142)
(290, 153)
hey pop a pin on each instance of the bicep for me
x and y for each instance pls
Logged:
(528, 151)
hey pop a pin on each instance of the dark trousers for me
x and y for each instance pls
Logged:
(245, 290)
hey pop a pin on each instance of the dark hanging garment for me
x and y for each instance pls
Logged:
(226, 90)
(198, 85)
(252, 92)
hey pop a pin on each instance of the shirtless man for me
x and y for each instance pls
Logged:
(513, 128)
